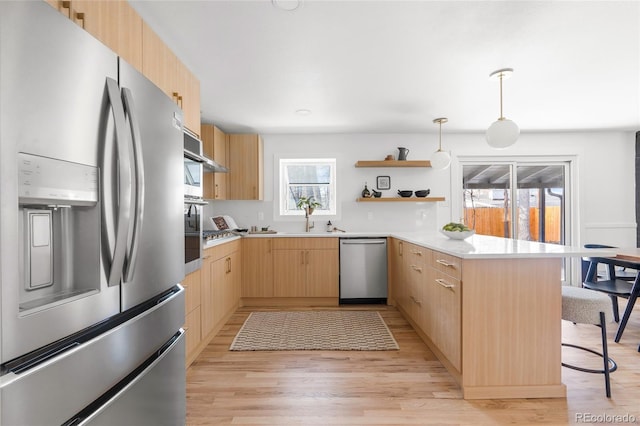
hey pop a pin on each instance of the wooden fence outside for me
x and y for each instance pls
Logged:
(491, 221)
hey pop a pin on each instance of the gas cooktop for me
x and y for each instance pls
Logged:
(209, 235)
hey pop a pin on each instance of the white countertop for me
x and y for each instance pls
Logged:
(475, 247)
(486, 247)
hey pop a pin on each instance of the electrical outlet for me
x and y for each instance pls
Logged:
(260, 215)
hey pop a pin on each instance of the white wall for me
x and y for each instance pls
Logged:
(604, 172)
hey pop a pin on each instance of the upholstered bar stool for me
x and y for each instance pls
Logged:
(583, 306)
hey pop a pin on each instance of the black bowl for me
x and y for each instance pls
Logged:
(405, 193)
(423, 192)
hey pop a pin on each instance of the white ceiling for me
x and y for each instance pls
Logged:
(394, 66)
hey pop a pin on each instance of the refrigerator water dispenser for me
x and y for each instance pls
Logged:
(60, 224)
(39, 253)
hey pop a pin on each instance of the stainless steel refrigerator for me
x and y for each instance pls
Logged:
(91, 231)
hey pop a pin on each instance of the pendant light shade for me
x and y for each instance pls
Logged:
(440, 159)
(503, 132)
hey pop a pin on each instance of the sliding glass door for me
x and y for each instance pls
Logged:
(517, 199)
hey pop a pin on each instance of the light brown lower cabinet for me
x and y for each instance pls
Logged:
(220, 282)
(443, 311)
(192, 284)
(494, 323)
(257, 267)
(290, 271)
(305, 267)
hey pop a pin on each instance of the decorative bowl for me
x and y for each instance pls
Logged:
(405, 193)
(423, 193)
(458, 235)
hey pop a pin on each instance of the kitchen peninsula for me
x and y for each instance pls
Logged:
(490, 308)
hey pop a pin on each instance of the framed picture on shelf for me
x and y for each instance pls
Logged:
(383, 182)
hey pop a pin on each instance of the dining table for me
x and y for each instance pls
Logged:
(627, 258)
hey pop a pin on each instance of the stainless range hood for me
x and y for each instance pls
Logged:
(193, 150)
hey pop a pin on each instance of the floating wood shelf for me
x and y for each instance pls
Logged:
(394, 163)
(401, 199)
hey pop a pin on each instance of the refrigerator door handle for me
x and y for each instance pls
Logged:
(138, 217)
(123, 220)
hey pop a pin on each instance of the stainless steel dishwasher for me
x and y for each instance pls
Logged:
(363, 270)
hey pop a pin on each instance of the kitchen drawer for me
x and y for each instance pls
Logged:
(416, 255)
(192, 286)
(447, 264)
(222, 250)
(317, 243)
(446, 317)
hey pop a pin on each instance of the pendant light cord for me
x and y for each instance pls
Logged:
(501, 116)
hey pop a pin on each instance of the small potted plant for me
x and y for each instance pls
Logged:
(308, 204)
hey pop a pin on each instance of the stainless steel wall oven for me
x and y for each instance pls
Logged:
(193, 234)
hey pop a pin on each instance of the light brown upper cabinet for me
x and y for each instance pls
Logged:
(119, 27)
(188, 93)
(214, 145)
(163, 68)
(115, 23)
(129, 35)
(245, 163)
(158, 62)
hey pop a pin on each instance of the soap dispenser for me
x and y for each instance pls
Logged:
(329, 227)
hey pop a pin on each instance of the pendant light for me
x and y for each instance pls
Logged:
(502, 133)
(440, 159)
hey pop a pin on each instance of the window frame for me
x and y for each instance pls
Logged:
(282, 162)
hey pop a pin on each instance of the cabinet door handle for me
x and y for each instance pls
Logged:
(66, 5)
(418, 253)
(307, 258)
(175, 96)
(400, 245)
(228, 265)
(416, 301)
(415, 268)
(80, 17)
(180, 102)
(445, 263)
(444, 284)
(302, 257)
(270, 246)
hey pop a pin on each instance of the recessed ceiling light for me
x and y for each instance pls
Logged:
(288, 5)
(303, 111)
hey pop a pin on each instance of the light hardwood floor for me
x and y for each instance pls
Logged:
(402, 387)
